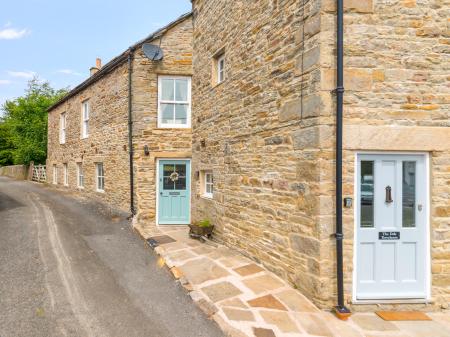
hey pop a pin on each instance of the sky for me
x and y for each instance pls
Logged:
(59, 40)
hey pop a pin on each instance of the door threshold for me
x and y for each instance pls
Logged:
(395, 301)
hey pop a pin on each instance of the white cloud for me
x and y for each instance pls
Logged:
(5, 82)
(12, 33)
(69, 72)
(22, 74)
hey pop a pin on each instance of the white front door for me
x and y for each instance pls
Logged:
(391, 227)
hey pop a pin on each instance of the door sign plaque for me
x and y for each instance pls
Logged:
(388, 235)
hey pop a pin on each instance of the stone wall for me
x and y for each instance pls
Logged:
(162, 143)
(397, 60)
(108, 124)
(107, 141)
(19, 172)
(267, 132)
(259, 132)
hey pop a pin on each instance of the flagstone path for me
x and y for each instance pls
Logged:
(247, 300)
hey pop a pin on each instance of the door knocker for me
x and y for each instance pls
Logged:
(389, 194)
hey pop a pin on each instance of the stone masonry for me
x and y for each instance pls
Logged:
(267, 131)
(176, 44)
(108, 124)
(107, 142)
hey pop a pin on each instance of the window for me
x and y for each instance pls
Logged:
(66, 174)
(62, 128)
(174, 102)
(80, 177)
(367, 194)
(208, 184)
(100, 177)
(55, 174)
(85, 120)
(220, 68)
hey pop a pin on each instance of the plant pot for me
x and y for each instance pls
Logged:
(197, 231)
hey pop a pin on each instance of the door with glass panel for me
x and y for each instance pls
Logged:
(174, 192)
(391, 220)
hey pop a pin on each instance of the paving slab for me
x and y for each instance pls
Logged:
(280, 319)
(221, 291)
(245, 299)
(424, 328)
(268, 302)
(371, 322)
(263, 283)
(314, 324)
(248, 269)
(202, 270)
(239, 314)
(296, 301)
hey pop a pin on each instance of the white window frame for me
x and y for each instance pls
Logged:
(85, 114)
(208, 193)
(62, 128)
(100, 177)
(188, 102)
(66, 174)
(55, 174)
(220, 68)
(80, 175)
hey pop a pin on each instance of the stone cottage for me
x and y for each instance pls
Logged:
(265, 144)
(132, 112)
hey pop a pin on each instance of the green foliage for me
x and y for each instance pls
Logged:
(204, 223)
(25, 123)
(6, 146)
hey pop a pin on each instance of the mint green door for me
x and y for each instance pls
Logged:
(174, 192)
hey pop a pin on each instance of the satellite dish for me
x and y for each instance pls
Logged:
(152, 52)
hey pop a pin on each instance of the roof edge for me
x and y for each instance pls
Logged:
(117, 61)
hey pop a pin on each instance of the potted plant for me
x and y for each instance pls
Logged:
(201, 228)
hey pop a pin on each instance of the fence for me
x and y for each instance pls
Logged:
(39, 173)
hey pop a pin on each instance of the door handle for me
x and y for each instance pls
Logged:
(389, 194)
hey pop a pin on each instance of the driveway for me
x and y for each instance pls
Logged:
(69, 268)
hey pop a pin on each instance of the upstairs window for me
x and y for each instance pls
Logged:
(66, 174)
(100, 177)
(85, 119)
(174, 102)
(80, 176)
(62, 128)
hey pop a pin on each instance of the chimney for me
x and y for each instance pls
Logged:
(98, 66)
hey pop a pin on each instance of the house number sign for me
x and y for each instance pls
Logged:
(388, 235)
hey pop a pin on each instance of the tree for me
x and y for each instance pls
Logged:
(25, 121)
(6, 145)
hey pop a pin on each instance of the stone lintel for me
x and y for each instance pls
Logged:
(396, 138)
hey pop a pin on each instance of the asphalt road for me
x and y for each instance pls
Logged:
(70, 268)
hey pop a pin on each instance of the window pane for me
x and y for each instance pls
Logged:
(409, 194)
(168, 170)
(209, 178)
(367, 195)
(167, 93)
(168, 184)
(181, 170)
(167, 113)
(181, 93)
(180, 113)
(180, 184)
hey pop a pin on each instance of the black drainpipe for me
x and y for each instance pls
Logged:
(130, 129)
(340, 308)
